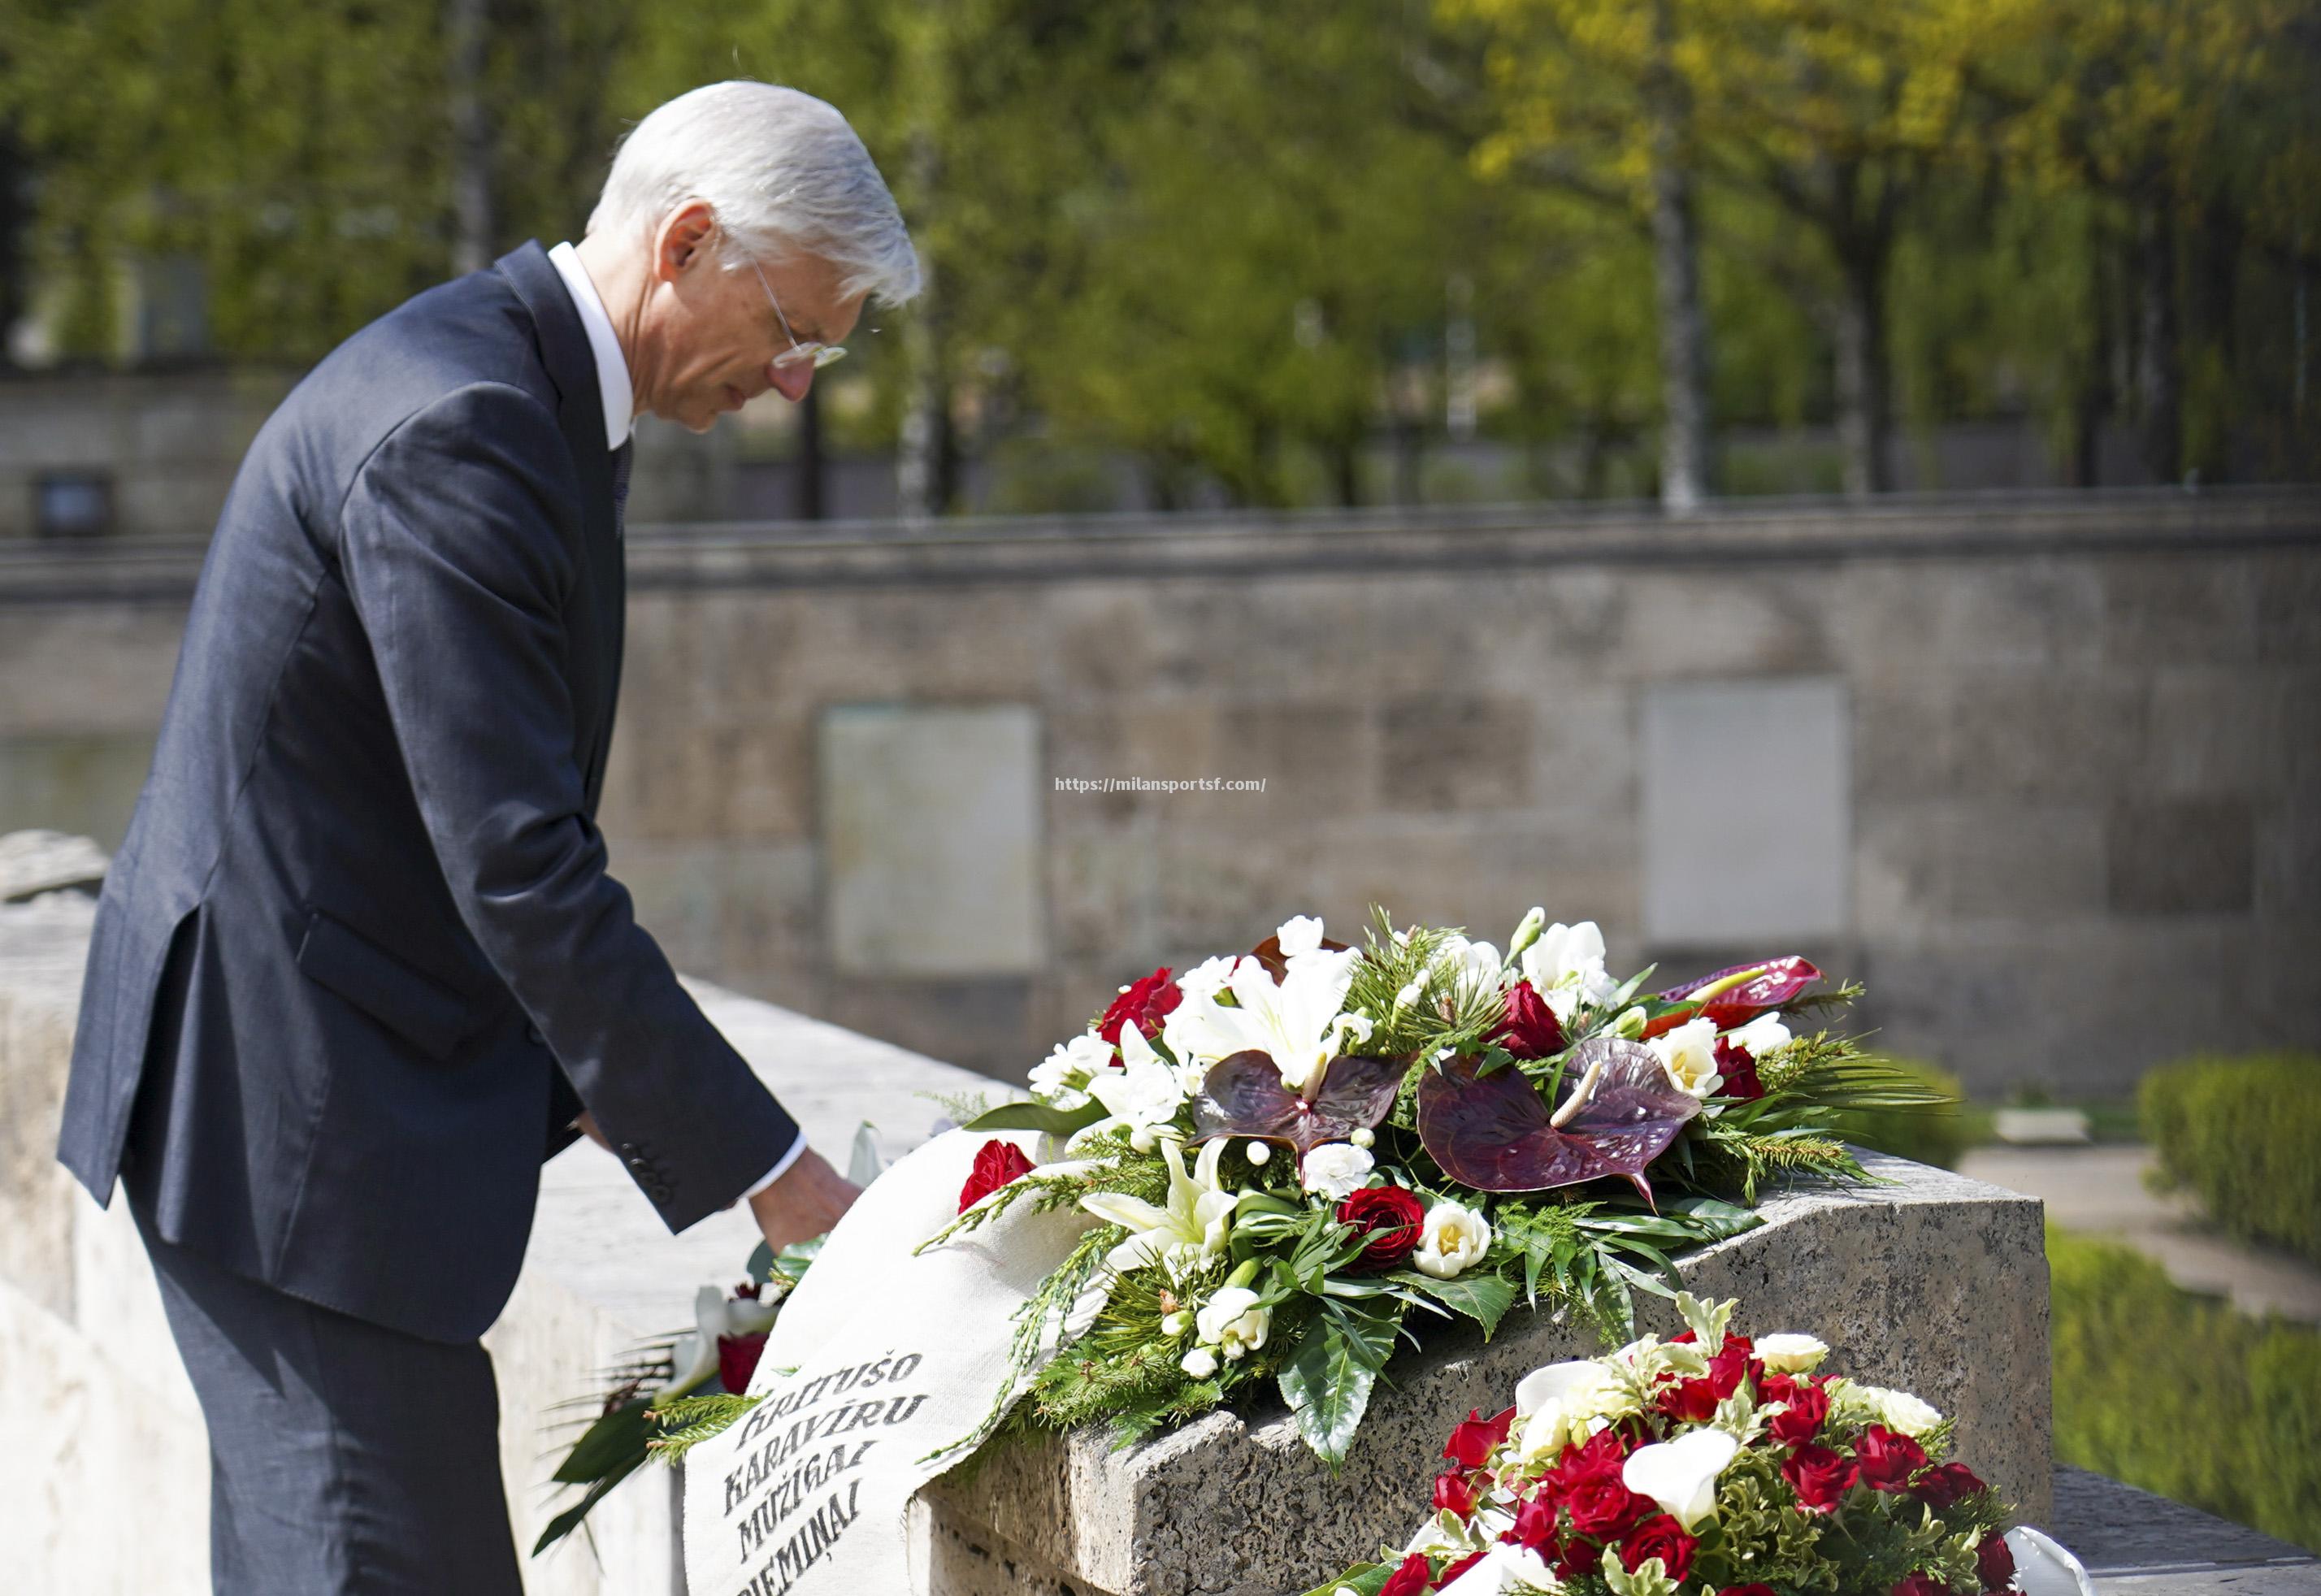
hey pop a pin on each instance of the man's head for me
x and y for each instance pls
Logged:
(731, 211)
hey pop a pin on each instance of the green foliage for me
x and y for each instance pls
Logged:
(680, 1426)
(1327, 1383)
(2242, 1134)
(2183, 1395)
(1929, 1127)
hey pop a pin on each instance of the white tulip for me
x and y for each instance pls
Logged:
(1232, 1321)
(1761, 1037)
(1566, 967)
(1681, 1474)
(1688, 1054)
(1335, 1170)
(1453, 1240)
(1790, 1353)
(2042, 1567)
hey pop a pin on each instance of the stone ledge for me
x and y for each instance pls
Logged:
(2134, 1542)
(1935, 1284)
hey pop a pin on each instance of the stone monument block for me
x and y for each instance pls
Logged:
(1934, 1283)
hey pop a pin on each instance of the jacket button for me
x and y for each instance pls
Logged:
(641, 1165)
(661, 1194)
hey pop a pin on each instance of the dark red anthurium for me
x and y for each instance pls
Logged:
(1776, 982)
(1243, 1096)
(1494, 1132)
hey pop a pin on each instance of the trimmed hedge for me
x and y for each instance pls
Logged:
(2183, 1394)
(2245, 1136)
(1938, 1137)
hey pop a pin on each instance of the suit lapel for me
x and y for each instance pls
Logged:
(600, 602)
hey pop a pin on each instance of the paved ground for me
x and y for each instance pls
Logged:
(2100, 1190)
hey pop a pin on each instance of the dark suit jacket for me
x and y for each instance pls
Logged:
(362, 916)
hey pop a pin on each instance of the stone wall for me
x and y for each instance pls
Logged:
(2046, 773)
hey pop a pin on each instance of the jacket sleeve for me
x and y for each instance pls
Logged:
(458, 542)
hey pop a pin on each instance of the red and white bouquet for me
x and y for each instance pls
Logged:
(1715, 1464)
(1298, 1154)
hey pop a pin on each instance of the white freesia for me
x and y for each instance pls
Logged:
(1207, 979)
(1566, 967)
(1681, 1474)
(1474, 965)
(2042, 1567)
(1062, 1077)
(1453, 1240)
(1335, 1170)
(1200, 1363)
(1788, 1353)
(1688, 1054)
(1232, 1321)
(1761, 1037)
(1294, 1020)
(1195, 1224)
(1144, 1093)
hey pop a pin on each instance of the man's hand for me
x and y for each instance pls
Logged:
(808, 1200)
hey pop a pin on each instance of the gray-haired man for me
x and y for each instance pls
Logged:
(360, 967)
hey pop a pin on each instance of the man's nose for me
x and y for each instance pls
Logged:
(791, 381)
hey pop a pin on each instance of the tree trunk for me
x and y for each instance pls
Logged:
(1863, 418)
(806, 482)
(2159, 366)
(1686, 465)
(474, 228)
(1346, 472)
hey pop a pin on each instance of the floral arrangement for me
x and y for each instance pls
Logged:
(678, 1388)
(1298, 1154)
(1715, 1464)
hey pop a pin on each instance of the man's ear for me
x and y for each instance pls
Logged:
(684, 239)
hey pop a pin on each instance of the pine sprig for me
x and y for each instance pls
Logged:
(688, 1421)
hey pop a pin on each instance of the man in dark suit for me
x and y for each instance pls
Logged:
(360, 967)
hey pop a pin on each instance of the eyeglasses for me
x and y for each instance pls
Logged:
(818, 354)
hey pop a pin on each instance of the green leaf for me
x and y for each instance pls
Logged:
(1039, 1117)
(615, 1441)
(762, 1263)
(1364, 1579)
(567, 1522)
(798, 1257)
(1328, 1380)
(1483, 1298)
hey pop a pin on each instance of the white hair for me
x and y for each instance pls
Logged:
(783, 172)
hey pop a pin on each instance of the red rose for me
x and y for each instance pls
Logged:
(1887, 1458)
(1748, 1591)
(1458, 1568)
(1819, 1477)
(1660, 1537)
(1147, 1002)
(1740, 1071)
(1691, 1399)
(737, 1360)
(1994, 1561)
(1729, 1366)
(1602, 1506)
(996, 1163)
(1921, 1583)
(1530, 1030)
(1393, 1219)
(1535, 1525)
(1453, 1494)
(1945, 1487)
(1415, 1575)
(1472, 1441)
(1807, 1406)
(1576, 1559)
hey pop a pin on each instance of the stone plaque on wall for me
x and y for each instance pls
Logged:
(931, 839)
(1747, 810)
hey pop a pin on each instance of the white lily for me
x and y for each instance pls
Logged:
(1295, 1020)
(1143, 1094)
(1566, 967)
(2043, 1567)
(1504, 1567)
(694, 1358)
(1681, 1474)
(1197, 1220)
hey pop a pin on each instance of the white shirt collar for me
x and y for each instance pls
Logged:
(612, 366)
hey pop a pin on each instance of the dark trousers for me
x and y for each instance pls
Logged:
(346, 1459)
